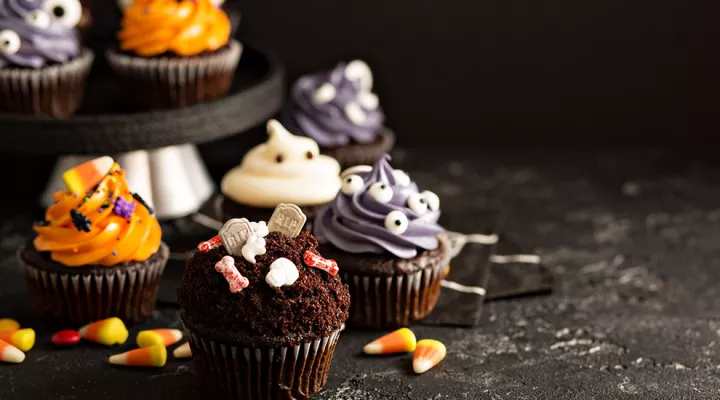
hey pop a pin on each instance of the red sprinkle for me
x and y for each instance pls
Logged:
(65, 338)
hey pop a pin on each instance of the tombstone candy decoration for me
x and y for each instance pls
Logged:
(250, 294)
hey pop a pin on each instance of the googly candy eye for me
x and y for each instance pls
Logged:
(355, 114)
(65, 12)
(382, 192)
(38, 18)
(352, 184)
(325, 93)
(433, 201)
(9, 42)
(401, 177)
(418, 203)
(359, 70)
(396, 222)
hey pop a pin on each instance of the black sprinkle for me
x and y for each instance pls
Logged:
(141, 201)
(81, 222)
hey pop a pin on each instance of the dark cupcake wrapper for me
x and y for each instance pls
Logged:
(168, 82)
(80, 297)
(388, 302)
(260, 373)
(55, 91)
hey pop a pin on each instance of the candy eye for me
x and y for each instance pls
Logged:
(279, 158)
(382, 192)
(433, 201)
(9, 42)
(352, 184)
(417, 203)
(309, 155)
(65, 12)
(396, 222)
(359, 70)
(325, 93)
(368, 100)
(401, 178)
(38, 18)
(355, 114)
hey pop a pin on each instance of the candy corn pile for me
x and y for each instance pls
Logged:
(151, 352)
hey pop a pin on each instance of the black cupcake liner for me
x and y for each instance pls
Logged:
(393, 301)
(78, 297)
(169, 82)
(262, 373)
(354, 154)
(54, 91)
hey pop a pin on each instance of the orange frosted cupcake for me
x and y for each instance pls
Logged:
(175, 53)
(98, 253)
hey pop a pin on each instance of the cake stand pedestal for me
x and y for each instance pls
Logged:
(157, 149)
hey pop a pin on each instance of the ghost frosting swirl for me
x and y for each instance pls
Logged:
(336, 107)
(285, 169)
(380, 210)
(36, 33)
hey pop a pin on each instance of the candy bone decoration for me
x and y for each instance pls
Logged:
(287, 219)
(314, 260)
(283, 272)
(226, 267)
(260, 229)
(234, 234)
(208, 245)
(255, 246)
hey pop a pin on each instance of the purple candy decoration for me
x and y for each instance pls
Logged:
(124, 208)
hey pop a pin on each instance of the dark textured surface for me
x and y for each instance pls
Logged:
(632, 237)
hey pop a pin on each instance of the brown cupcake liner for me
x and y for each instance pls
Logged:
(260, 373)
(169, 82)
(55, 91)
(77, 298)
(393, 301)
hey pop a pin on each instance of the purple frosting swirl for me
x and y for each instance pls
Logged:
(326, 121)
(38, 46)
(356, 223)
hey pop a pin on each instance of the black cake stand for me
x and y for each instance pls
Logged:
(156, 148)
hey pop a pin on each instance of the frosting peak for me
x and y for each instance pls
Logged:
(380, 210)
(107, 225)
(285, 169)
(182, 27)
(336, 107)
(32, 35)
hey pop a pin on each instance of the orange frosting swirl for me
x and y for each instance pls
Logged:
(182, 27)
(111, 240)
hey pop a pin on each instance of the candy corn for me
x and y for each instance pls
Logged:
(108, 332)
(85, 176)
(183, 351)
(7, 324)
(10, 353)
(427, 355)
(152, 356)
(23, 339)
(400, 341)
(165, 337)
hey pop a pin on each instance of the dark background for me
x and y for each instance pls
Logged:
(508, 71)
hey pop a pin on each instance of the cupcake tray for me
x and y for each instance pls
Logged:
(108, 125)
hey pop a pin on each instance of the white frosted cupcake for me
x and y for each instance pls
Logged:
(285, 169)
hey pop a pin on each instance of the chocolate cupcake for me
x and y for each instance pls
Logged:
(285, 169)
(43, 67)
(384, 233)
(174, 53)
(98, 252)
(262, 310)
(338, 110)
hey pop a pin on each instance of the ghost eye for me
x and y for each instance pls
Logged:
(65, 12)
(396, 222)
(382, 192)
(309, 155)
(433, 201)
(9, 42)
(38, 18)
(352, 184)
(418, 203)
(279, 158)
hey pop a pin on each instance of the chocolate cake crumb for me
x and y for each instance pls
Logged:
(314, 306)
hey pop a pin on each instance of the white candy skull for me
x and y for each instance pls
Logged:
(283, 272)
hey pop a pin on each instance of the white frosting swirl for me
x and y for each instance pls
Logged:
(285, 169)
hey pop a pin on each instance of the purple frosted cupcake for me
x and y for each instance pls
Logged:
(43, 66)
(384, 233)
(338, 110)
